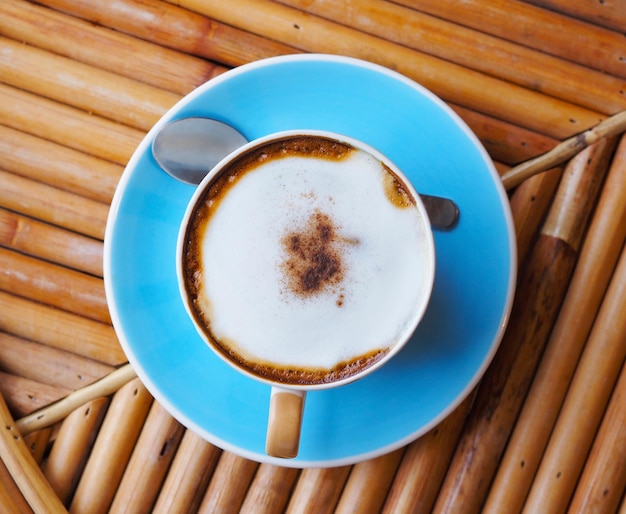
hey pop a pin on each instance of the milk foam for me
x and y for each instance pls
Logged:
(383, 249)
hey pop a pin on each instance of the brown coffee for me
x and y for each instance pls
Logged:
(301, 260)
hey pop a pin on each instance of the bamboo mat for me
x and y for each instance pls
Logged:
(81, 82)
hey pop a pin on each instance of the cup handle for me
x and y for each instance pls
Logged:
(285, 420)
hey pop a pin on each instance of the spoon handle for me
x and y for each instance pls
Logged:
(442, 212)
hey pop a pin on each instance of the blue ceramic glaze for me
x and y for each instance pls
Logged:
(474, 284)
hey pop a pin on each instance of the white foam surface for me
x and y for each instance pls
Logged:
(385, 279)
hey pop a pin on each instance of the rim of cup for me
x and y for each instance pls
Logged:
(420, 308)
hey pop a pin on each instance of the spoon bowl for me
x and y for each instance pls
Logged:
(189, 148)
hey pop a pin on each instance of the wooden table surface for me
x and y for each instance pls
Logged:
(82, 81)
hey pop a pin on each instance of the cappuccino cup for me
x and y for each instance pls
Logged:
(305, 260)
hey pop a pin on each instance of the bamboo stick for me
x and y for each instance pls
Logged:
(526, 24)
(112, 449)
(71, 448)
(565, 150)
(11, 499)
(20, 111)
(600, 252)
(80, 85)
(571, 221)
(24, 395)
(59, 329)
(48, 365)
(603, 480)
(270, 490)
(68, 126)
(505, 142)
(7, 502)
(368, 484)
(153, 453)
(59, 410)
(423, 467)
(318, 490)
(479, 92)
(500, 167)
(37, 443)
(529, 204)
(7, 499)
(611, 15)
(53, 285)
(135, 23)
(52, 205)
(113, 141)
(188, 477)
(104, 48)
(58, 166)
(540, 292)
(23, 469)
(584, 404)
(50, 243)
(476, 50)
(176, 28)
(229, 484)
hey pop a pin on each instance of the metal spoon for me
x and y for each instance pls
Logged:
(188, 148)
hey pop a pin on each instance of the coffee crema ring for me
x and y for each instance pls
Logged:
(301, 260)
(297, 376)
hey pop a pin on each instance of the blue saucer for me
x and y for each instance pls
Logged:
(474, 284)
